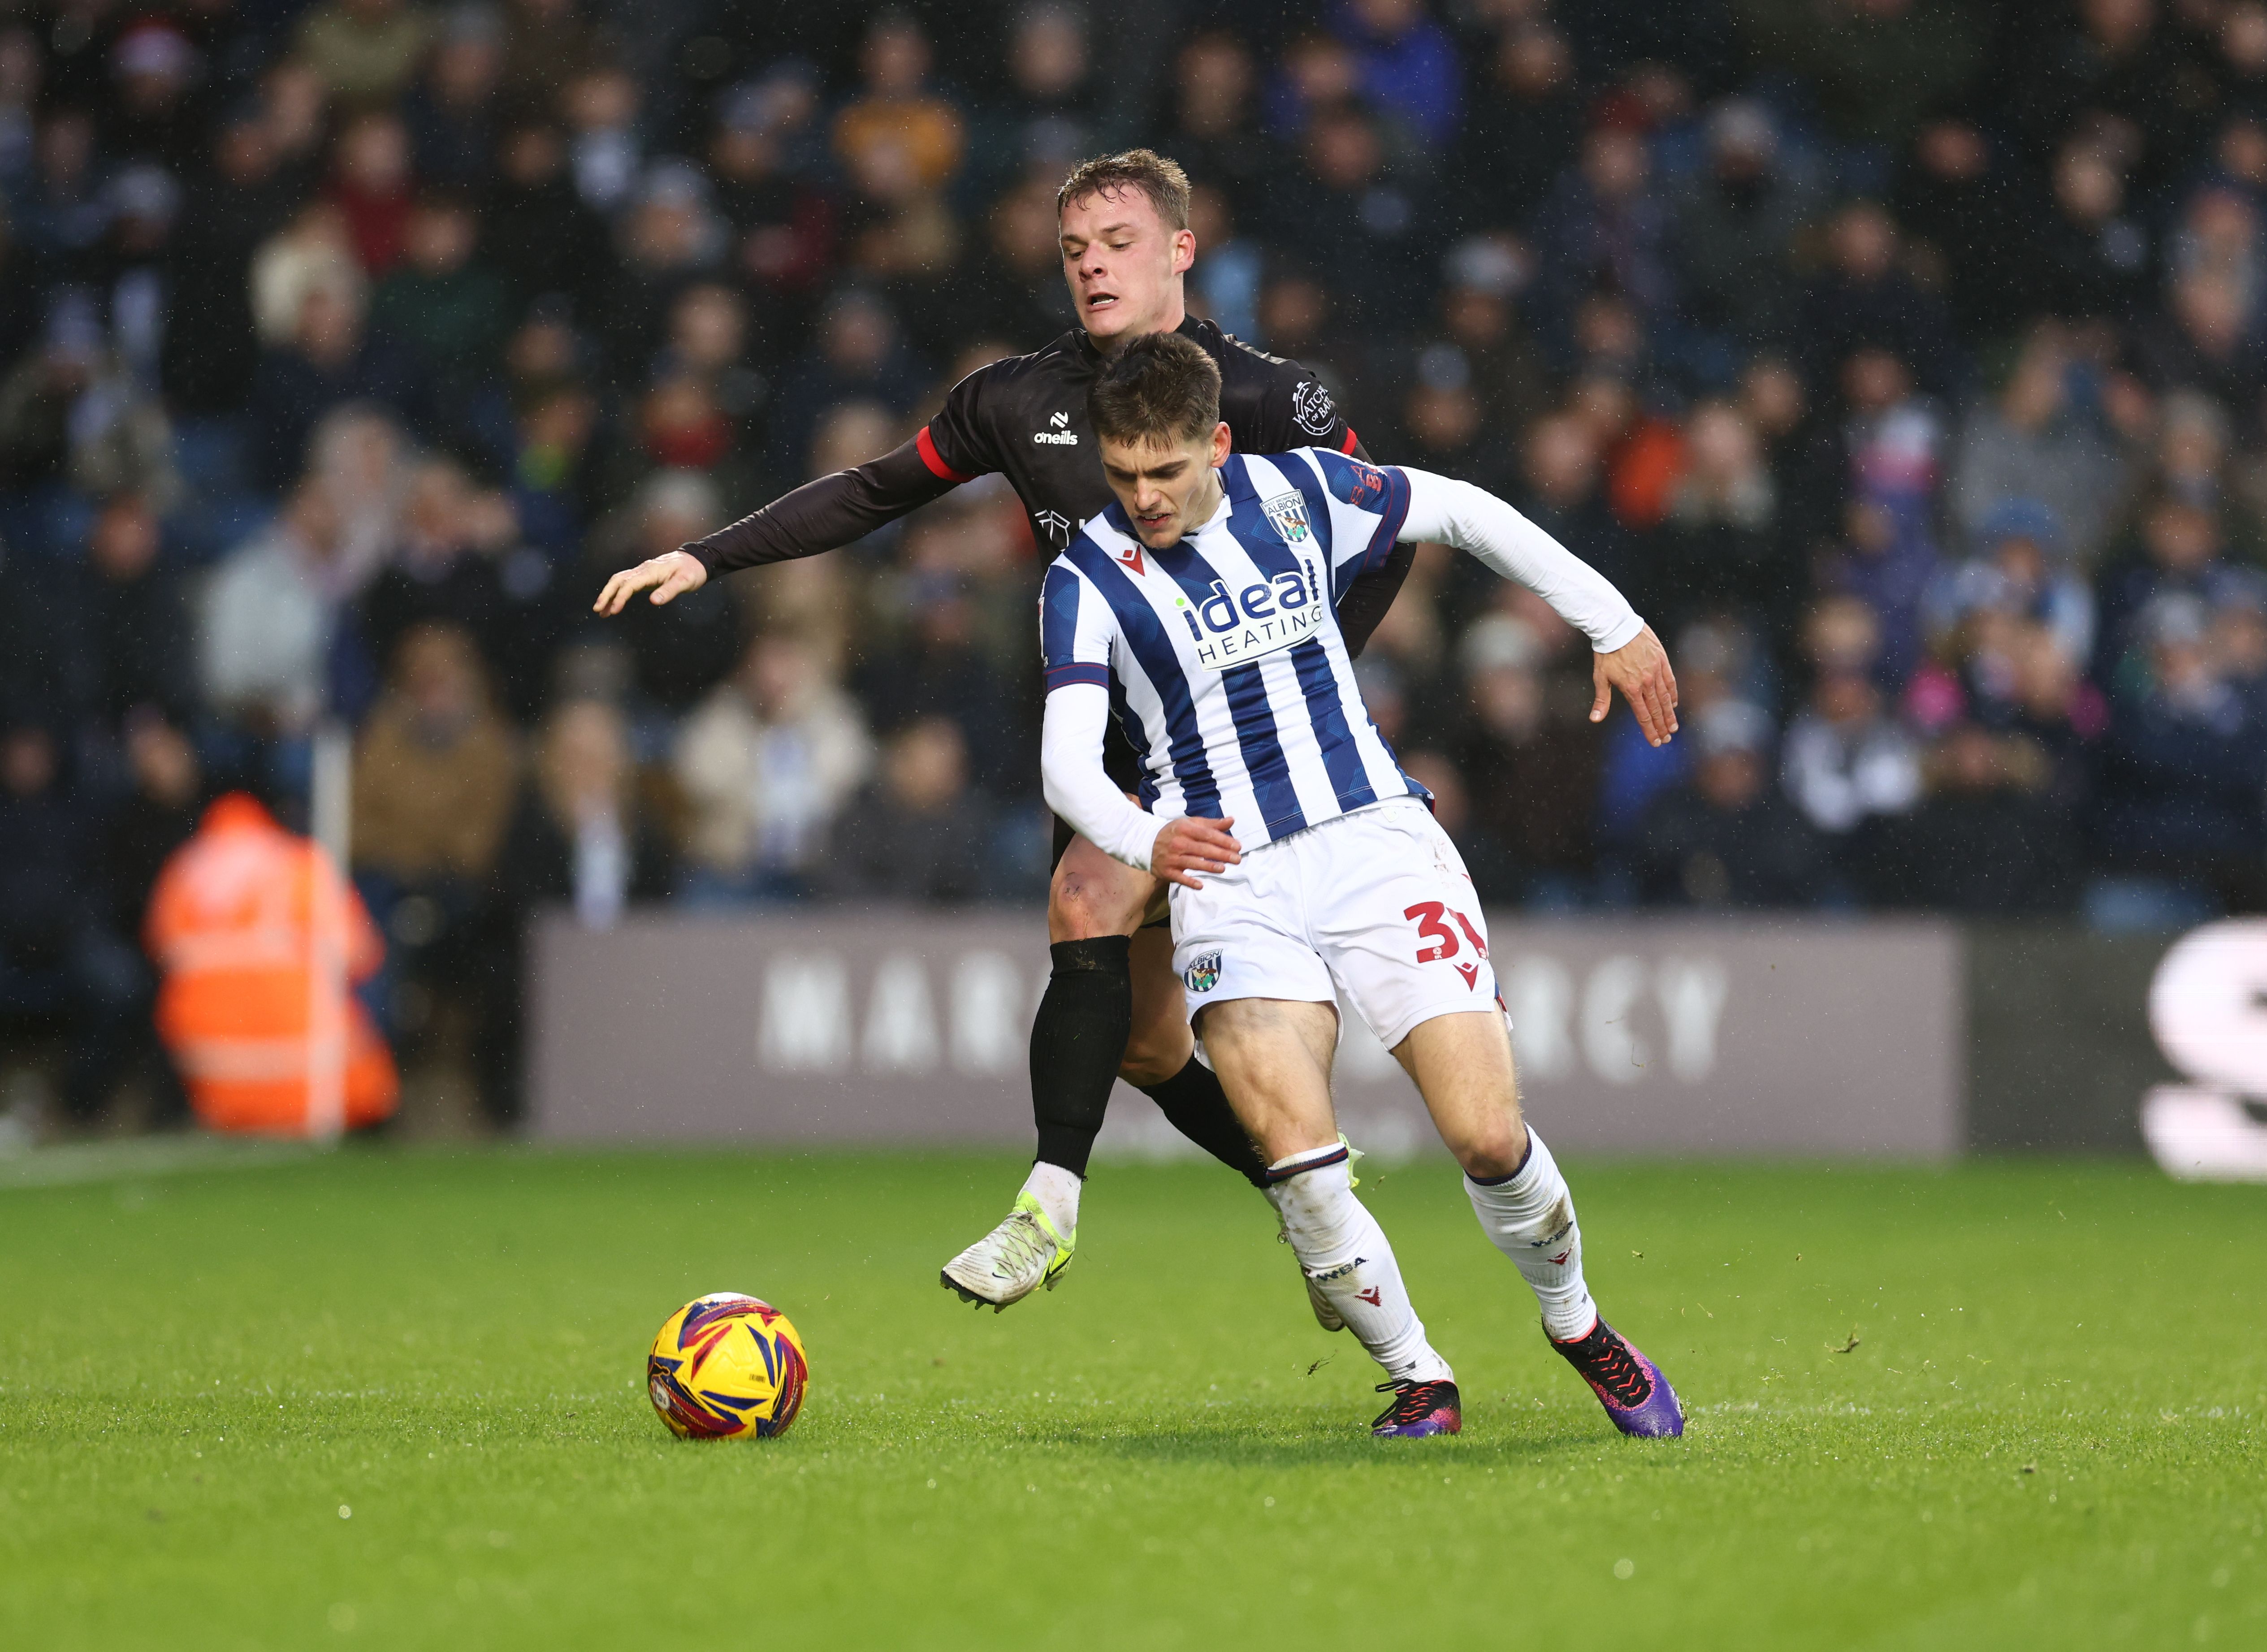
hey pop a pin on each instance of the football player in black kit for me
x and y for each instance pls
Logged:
(1112, 1006)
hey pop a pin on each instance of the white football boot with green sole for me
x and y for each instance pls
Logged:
(1014, 1259)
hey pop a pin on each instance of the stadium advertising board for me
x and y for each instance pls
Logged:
(1799, 1038)
(2208, 1008)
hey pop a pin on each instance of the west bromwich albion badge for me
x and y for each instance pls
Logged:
(1288, 512)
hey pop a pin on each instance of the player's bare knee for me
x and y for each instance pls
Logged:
(1495, 1150)
(1078, 911)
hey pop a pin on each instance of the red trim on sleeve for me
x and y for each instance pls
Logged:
(1347, 446)
(937, 466)
(1064, 676)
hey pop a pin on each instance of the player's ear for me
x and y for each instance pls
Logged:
(1221, 444)
(1185, 251)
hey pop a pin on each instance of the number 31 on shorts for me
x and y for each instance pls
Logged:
(1441, 941)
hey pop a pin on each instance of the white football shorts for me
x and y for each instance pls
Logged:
(1375, 905)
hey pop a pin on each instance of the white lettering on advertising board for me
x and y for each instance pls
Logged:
(1621, 1001)
(990, 1031)
(806, 1024)
(2208, 1008)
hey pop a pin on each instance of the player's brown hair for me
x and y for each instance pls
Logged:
(1154, 175)
(1161, 387)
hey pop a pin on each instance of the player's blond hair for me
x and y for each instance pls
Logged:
(1156, 176)
(1161, 387)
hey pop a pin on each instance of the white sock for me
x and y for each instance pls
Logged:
(1057, 1191)
(1344, 1250)
(1530, 1219)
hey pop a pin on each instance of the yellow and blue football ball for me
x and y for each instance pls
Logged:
(727, 1367)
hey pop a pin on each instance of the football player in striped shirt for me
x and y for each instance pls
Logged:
(1200, 610)
(1113, 1007)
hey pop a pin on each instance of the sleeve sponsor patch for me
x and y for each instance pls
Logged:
(1357, 484)
(1312, 409)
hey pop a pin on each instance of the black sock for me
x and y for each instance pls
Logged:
(1078, 1040)
(1198, 1107)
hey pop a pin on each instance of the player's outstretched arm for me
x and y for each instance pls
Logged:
(1630, 656)
(669, 576)
(833, 511)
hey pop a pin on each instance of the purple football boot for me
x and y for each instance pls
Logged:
(1637, 1397)
(1419, 1411)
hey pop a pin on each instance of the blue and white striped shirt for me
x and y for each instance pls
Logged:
(1222, 655)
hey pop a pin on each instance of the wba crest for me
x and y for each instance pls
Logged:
(1288, 512)
(1203, 973)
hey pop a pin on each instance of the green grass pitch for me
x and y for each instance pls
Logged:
(394, 1399)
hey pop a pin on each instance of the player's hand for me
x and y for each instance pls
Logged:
(668, 576)
(1639, 669)
(1188, 846)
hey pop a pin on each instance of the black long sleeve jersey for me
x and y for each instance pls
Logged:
(1025, 417)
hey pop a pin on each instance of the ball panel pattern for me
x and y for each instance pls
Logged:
(727, 1366)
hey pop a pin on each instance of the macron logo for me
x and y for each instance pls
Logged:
(1059, 436)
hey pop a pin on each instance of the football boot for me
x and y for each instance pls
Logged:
(1637, 1397)
(1007, 1264)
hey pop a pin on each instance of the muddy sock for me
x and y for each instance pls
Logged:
(1530, 1216)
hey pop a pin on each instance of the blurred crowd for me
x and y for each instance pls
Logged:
(1904, 360)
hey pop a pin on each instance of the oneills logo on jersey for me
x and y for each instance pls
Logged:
(1288, 512)
(1058, 434)
(1260, 619)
